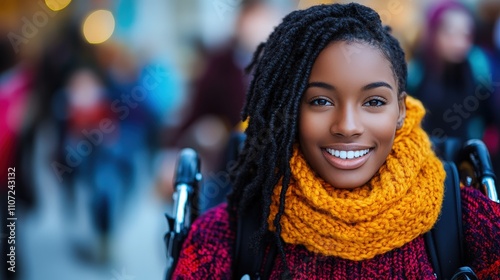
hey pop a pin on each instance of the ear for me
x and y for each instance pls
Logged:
(402, 110)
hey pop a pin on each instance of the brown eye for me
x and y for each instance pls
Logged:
(374, 103)
(320, 102)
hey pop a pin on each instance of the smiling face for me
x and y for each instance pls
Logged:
(349, 114)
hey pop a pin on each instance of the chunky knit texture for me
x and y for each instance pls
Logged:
(208, 250)
(399, 203)
(477, 214)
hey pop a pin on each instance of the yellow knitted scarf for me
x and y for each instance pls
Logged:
(401, 202)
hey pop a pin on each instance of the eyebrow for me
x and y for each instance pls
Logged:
(367, 87)
(376, 85)
(321, 85)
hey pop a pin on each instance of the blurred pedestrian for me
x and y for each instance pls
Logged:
(16, 82)
(219, 94)
(451, 75)
(490, 42)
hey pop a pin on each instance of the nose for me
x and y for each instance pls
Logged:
(347, 123)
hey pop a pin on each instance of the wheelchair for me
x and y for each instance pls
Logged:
(471, 159)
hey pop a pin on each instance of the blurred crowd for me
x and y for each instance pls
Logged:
(93, 129)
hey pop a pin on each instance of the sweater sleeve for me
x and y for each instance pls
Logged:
(206, 252)
(481, 221)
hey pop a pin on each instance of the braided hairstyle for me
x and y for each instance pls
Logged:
(281, 68)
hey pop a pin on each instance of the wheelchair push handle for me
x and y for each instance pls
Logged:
(188, 168)
(474, 155)
(187, 178)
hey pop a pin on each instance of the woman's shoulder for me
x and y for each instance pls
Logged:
(478, 210)
(481, 223)
(207, 250)
(474, 200)
(214, 223)
(480, 215)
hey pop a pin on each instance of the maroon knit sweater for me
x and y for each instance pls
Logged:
(207, 251)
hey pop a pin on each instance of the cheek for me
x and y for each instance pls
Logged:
(315, 132)
(311, 127)
(384, 130)
(386, 135)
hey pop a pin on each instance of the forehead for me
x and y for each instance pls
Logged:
(352, 61)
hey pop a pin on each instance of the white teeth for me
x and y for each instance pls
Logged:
(347, 154)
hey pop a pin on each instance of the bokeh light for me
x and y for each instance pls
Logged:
(98, 26)
(57, 5)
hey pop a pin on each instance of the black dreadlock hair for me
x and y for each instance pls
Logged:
(281, 68)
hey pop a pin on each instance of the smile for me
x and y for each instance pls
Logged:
(347, 154)
(347, 159)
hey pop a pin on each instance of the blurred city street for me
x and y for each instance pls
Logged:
(58, 241)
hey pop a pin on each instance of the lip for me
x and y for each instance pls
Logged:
(346, 164)
(347, 147)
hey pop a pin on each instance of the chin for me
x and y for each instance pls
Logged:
(348, 184)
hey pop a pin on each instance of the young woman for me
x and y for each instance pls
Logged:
(336, 162)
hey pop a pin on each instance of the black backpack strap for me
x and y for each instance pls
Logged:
(445, 241)
(246, 260)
